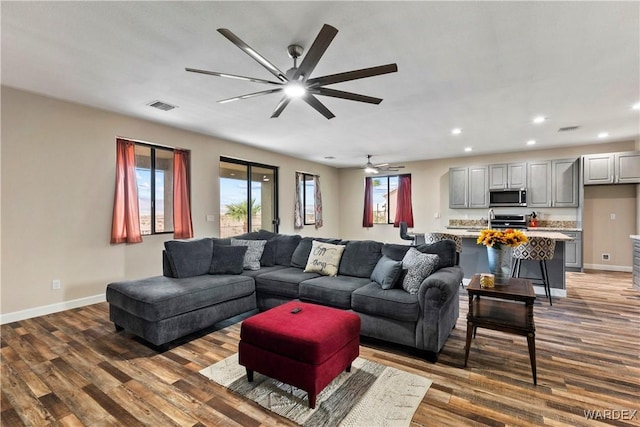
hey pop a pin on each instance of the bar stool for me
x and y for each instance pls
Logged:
(536, 249)
(404, 233)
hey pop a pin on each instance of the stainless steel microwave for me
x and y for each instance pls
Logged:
(508, 197)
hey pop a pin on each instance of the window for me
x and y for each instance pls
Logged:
(154, 177)
(248, 197)
(308, 198)
(385, 199)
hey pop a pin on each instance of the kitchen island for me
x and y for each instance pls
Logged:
(473, 258)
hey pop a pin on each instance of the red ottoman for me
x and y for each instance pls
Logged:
(307, 349)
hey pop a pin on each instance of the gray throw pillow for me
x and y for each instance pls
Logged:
(386, 272)
(418, 266)
(227, 259)
(268, 258)
(189, 258)
(253, 254)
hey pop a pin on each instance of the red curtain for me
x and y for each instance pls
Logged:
(367, 218)
(125, 225)
(182, 226)
(404, 212)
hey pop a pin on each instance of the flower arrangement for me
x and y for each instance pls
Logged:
(497, 238)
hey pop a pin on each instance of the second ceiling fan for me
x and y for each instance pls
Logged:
(296, 82)
(385, 167)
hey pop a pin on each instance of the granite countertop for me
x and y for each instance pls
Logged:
(558, 229)
(474, 233)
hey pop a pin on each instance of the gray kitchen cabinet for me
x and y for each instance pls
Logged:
(458, 188)
(573, 250)
(539, 184)
(507, 175)
(468, 187)
(478, 187)
(611, 168)
(564, 179)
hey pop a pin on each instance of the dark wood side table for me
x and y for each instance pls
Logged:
(509, 309)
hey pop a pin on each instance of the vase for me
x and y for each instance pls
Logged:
(499, 263)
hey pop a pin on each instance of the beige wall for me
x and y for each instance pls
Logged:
(58, 172)
(430, 192)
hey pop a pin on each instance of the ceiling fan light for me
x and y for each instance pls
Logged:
(295, 89)
(370, 169)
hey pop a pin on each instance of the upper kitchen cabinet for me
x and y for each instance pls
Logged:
(539, 184)
(564, 181)
(611, 168)
(507, 175)
(552, 183)
(468, 187)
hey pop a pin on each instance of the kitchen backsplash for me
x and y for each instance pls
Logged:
(479, 223)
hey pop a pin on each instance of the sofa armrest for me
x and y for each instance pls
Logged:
(440, 287)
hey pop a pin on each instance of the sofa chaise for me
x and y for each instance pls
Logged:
(208, 280)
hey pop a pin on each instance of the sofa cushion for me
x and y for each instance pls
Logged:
(419, 266)
(387, 272)
(301, 254)
(283, 282)
(332, 291)
(227, 259)
(221, 241)
(390, 303)
(268, 258)
(285, 245)
(395, 251)
(360, 258)
(253, 254)
(160, 297)
(189, 258)
(324, 258)
(445, 249)
(263, 270)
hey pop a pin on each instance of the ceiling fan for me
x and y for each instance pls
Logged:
(296, 82)
(385, 167)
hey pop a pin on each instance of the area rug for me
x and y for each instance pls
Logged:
(370, 395)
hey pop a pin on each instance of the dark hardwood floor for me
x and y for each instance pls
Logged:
(73, 369)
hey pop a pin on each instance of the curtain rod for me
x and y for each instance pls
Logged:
(308, 173)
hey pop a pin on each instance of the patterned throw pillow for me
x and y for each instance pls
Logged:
(324, 258)
(253, 254)
(418, 266)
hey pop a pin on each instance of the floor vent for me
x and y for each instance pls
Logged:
(161, 105)
(568, 128)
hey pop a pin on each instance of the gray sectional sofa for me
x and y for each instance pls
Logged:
(188, 298)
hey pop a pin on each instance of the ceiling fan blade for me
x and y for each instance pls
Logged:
(353, 75)
(346, 95)
(315, 52)
(318, 106)
(379, 165)
(232, 76)
(250, 95)
(252, 53)
(281, 106)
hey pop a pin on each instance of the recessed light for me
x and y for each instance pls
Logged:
(539, 119)
(531, 142)
(636, 106)
(603, 135)
(468, 149)
(456, 131)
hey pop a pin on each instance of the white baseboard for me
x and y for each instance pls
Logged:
(49, 309)
(607, 267)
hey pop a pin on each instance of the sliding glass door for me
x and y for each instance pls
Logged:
(248, 197)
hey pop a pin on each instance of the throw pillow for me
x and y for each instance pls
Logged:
(268, 258)
(386, 272)
(253, 254)
(324, 258)
(418, 266)
(227, 259)
(189, 258)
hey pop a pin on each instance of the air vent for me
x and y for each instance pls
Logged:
(568, 128)
(161, 105)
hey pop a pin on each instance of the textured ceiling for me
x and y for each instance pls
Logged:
(486, 67)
